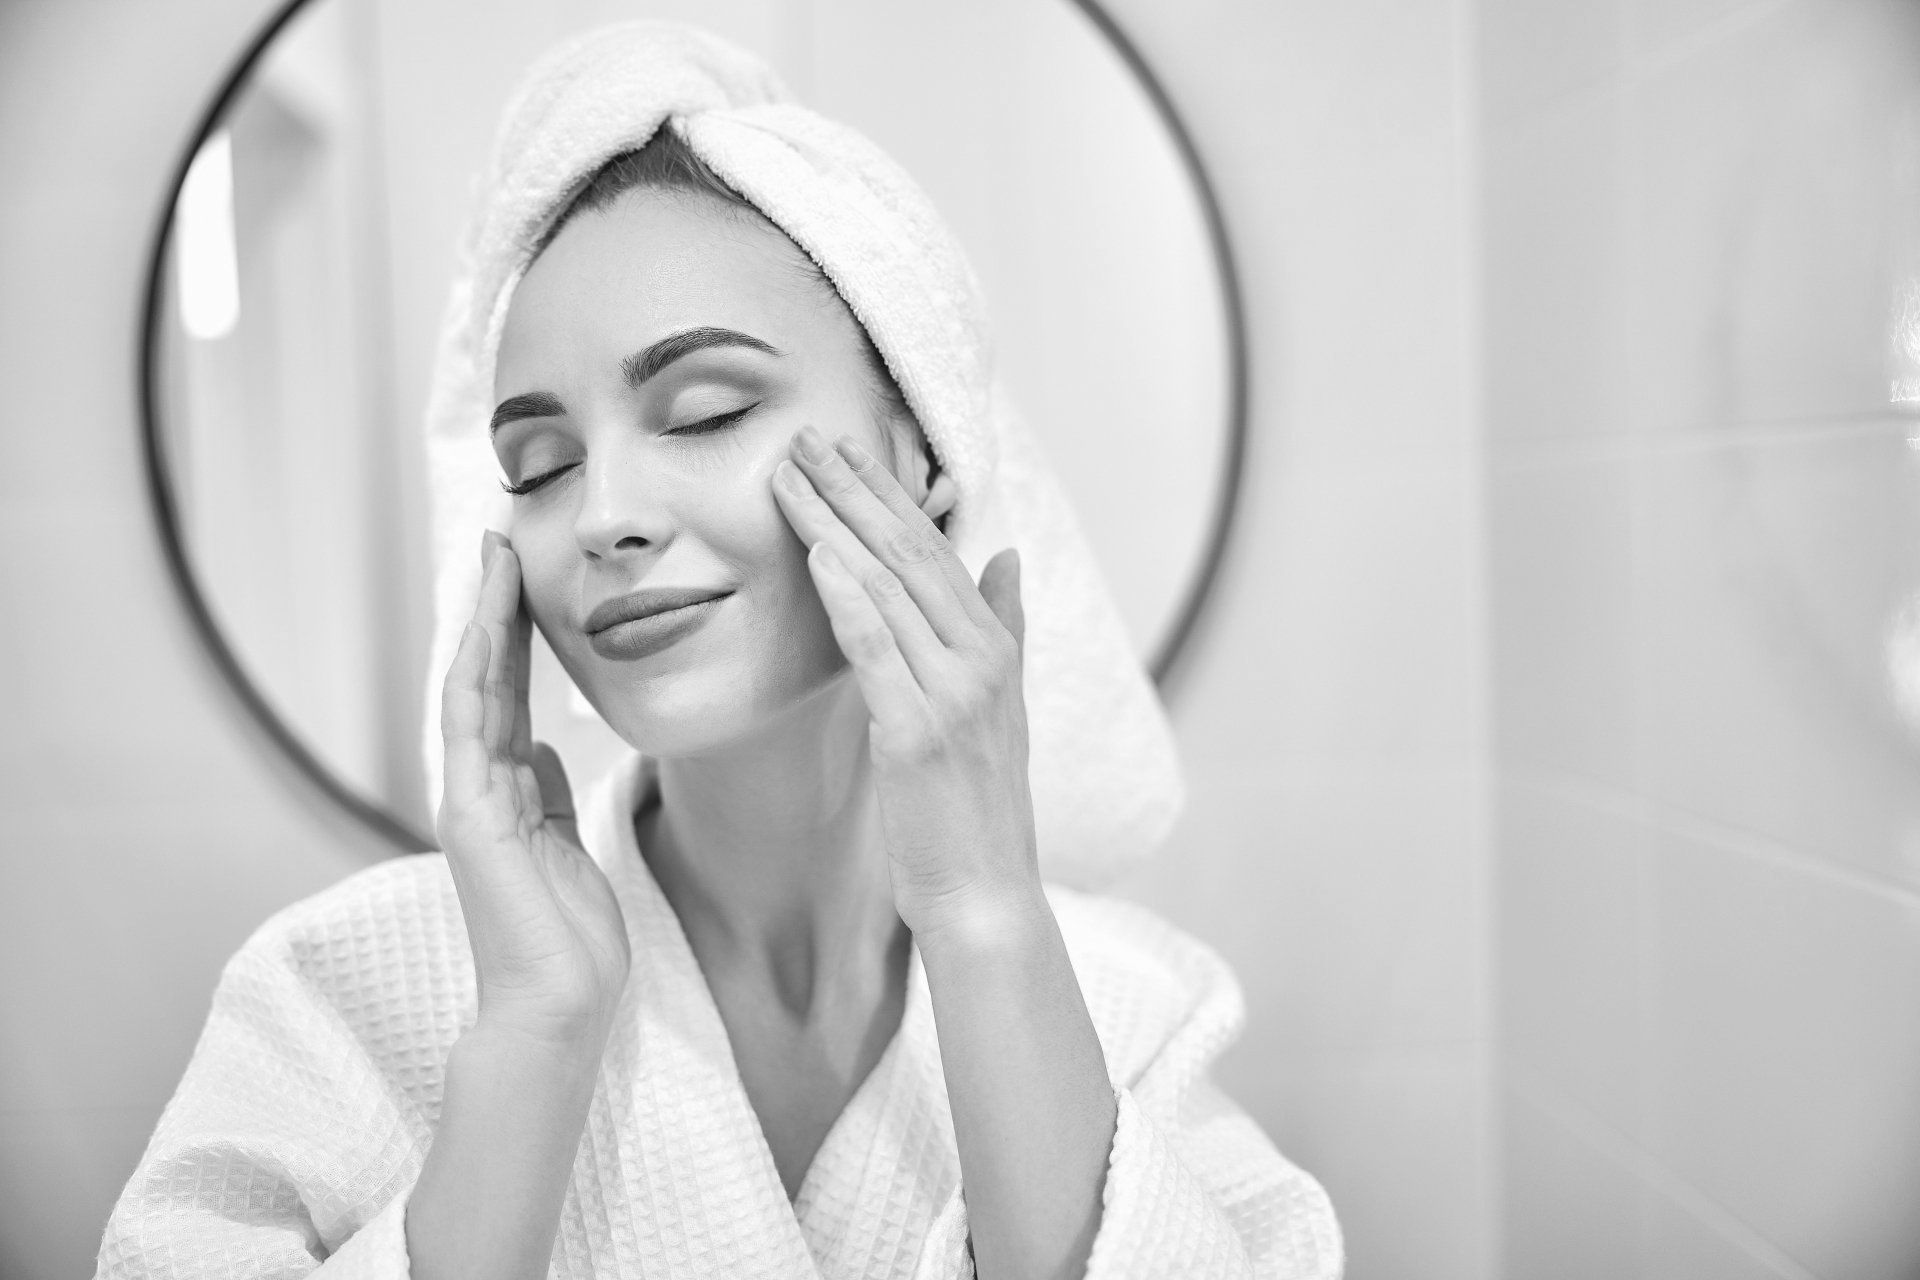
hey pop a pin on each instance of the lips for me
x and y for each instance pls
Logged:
(647, 621)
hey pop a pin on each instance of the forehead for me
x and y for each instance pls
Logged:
(653, 263)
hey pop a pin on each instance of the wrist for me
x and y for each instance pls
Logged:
(986, 925)
(513, 1108)
(550, 1046)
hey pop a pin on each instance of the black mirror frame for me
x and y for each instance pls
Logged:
(1173, 646)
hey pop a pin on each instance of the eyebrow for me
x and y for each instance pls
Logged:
(636, 369)
(642, 365)
(537, 404)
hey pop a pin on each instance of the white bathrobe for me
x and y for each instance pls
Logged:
(305, 1114)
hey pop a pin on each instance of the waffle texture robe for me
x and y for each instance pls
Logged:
(307, 1109)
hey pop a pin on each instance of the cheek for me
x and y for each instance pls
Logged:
(786, 627)
(547, 581)
(751, 531)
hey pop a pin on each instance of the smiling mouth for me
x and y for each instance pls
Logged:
(642, 632)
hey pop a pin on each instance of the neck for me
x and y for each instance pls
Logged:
(769, 851)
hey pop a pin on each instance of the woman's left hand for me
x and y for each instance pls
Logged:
(939, 662)
(1034, 1112)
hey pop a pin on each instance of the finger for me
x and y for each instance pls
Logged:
(556, 793)
(499, 588)
(1000, 588)
(462, 716)
(893, 495)
(904, 549)
(893, 696)
(815, 523)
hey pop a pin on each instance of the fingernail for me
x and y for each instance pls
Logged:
(850, 450)
(789, 476)
(822, 555)
(813, 446)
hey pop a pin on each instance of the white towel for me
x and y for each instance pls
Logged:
(1104, 773)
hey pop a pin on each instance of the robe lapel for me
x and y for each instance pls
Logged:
(889, 1162)
(702, 1193)
(706, 1198)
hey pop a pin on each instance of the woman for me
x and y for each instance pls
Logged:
(792, 994)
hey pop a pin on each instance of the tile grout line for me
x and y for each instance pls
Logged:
(1643, 64)
(1605, 1139)
(1520, 457)
(1727, 838)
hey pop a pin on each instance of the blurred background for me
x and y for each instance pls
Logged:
(1551, 736)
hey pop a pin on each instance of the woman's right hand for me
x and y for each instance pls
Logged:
(550, 948)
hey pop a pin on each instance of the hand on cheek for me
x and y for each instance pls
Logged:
(938, 660)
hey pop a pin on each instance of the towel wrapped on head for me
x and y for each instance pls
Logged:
(1104, 772)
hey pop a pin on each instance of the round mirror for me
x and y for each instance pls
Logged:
(296, 294)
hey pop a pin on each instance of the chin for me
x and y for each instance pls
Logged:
(692, 708)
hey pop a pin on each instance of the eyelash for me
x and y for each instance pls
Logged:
(705, 426)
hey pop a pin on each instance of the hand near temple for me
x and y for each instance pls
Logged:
(938, 660)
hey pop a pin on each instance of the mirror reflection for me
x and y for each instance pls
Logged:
(314, 237)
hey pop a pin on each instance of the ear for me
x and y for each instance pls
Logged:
(916, 468)
(940, 498)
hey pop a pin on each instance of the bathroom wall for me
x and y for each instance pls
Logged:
(1701, 234)
(1333, 718)
(1333, 714)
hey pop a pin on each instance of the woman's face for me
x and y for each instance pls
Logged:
(656, 360)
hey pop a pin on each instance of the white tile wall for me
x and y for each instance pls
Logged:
(1572, 960)
(1560, 545)
(1399, 1137)
(1771, 571)
(1537, 53)
(1571, 1212)
(1771, 214)
(1784, 1051)
(1334, 715)
(1700, 570)
(1556, 285)
(1681, 1245)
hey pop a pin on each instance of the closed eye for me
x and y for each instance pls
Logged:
(534, 482)
(706, 426)
(718, 423)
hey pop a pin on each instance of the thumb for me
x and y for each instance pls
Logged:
(556, 793)
(1000, 586)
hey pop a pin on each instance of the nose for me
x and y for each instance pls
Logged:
(620, 513)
